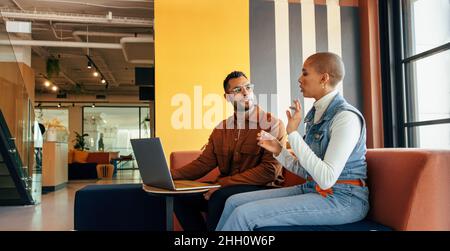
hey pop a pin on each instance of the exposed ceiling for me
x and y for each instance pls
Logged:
(132, 35)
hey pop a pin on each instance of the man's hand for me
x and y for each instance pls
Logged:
(269, 142)
(208, 194)
(294, 119)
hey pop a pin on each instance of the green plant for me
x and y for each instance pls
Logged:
(80, 143)
(77, 88)
(52, 67)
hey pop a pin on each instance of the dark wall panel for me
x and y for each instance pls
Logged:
(351, 56)
(262, 49)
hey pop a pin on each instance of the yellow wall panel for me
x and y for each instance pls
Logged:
(197, 43)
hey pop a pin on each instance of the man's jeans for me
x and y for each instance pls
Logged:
(188, 208)
(297, 205)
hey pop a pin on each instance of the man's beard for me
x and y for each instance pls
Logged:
(245, 105)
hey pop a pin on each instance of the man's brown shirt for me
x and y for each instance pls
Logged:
(232, 147)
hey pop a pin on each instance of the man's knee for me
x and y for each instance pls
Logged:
(219, 195)
(226, 192)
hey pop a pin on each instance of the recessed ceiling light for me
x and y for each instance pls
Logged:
(95, 74)
(54, 88)
(47, 83)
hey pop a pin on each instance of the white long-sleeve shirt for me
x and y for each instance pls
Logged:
(344, 135)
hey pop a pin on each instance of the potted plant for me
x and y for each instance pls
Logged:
(80, 143)
(52, 67)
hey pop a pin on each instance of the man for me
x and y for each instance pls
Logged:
(232, 147)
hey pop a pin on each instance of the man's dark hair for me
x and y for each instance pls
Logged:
(234, 74)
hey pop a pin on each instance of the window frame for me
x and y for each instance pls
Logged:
(398, 86)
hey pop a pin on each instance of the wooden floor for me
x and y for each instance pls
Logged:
(55, 212)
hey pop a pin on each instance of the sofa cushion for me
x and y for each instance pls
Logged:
(80, 156)
(364, 225)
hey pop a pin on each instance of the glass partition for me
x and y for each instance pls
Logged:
(16, 104)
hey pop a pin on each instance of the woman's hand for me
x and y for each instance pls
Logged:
(269, 142)
(295, 119)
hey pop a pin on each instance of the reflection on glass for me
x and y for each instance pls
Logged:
(428, 88)
(52, 116)
(427, 24)
(111, 128)
(56, 123)
(145, 122)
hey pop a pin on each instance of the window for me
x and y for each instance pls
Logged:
(111, 128)
(417, 51)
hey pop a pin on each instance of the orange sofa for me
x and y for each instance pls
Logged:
(88, 168)
(409, 188)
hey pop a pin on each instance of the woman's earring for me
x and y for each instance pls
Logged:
(323, 86)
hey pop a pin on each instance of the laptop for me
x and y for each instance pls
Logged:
(154, 169)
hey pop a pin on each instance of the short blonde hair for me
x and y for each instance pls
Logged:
(327, 62)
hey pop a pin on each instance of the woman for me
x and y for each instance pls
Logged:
(331, 157)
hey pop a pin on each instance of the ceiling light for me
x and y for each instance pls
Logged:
(95, 74)
(47, 83)
(59, 105)
(93, 105)
(89, 66)
(54, 88)
(103, 81)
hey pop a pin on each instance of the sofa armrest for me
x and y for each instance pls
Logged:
(410, 188)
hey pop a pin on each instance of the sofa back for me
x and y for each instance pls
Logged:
(409, 188)
(98, 157)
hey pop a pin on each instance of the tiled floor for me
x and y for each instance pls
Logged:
(55, 212)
